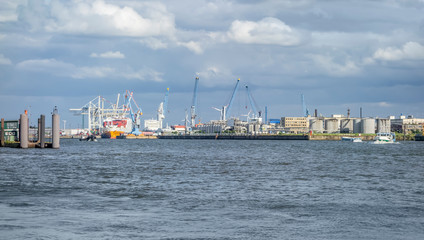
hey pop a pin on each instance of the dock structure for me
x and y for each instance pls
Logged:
(2, 133)
(15, 133)
(236, 137)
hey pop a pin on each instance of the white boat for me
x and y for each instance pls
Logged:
(352, 139)
(383, 138)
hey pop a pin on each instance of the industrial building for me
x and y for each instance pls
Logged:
(295, 124)
(407, 124)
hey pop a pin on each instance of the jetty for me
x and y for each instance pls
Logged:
(15, 133)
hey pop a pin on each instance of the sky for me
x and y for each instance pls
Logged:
(352, 54)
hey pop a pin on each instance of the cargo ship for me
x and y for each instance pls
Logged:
(114, 127)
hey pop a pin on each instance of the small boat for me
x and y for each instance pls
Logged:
(90, 138)
(352, 139)
(383, 138)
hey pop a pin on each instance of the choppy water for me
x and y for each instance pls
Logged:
(211, 189)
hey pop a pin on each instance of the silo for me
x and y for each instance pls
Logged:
(383, 125)
(368, 125)
(346, 125)
(332, 125)
(357, 125)
(316, 125)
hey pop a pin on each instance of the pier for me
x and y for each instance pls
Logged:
(15, 133)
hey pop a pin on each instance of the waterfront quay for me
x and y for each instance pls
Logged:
(235, 137)
(310, 137)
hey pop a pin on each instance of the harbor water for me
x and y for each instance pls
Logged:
(213, 189)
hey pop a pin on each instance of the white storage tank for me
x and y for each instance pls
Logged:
(383, 125)
(332, 125)
(357, 125)
(368, 125)
(316, 125)
(346, 125)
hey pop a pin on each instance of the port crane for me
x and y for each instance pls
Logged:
(256, 114)
(163, 108)
(305, 111)
(225, 110)
(135, 113)
(194, 103)
(228, 108)
(99, 109)
(96, 112)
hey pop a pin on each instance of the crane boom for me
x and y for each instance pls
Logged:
(304, 109)
(227, 111)
(165, 102)
(252, 103)
(193, 104)
(163, 106)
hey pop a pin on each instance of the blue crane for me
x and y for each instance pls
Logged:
(135, 115)
(228, 107)
(305, 111)
(194, 102)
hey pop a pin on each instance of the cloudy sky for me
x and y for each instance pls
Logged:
(339, 54)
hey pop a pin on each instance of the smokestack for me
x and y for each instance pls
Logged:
(360, 112)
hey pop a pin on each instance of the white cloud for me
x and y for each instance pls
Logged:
(409, 51)
(8, 17)
(266, 31)
(62, 69)
(192, 46)
(59, 68)
(216, 76)
(145, 74)
(8, 10)
(381, 104)
(154, 43)
(109, 54)
(328, 64)
(101, 18)
(4, 60)
(93, 72)
(384, 104)
(47, 65)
